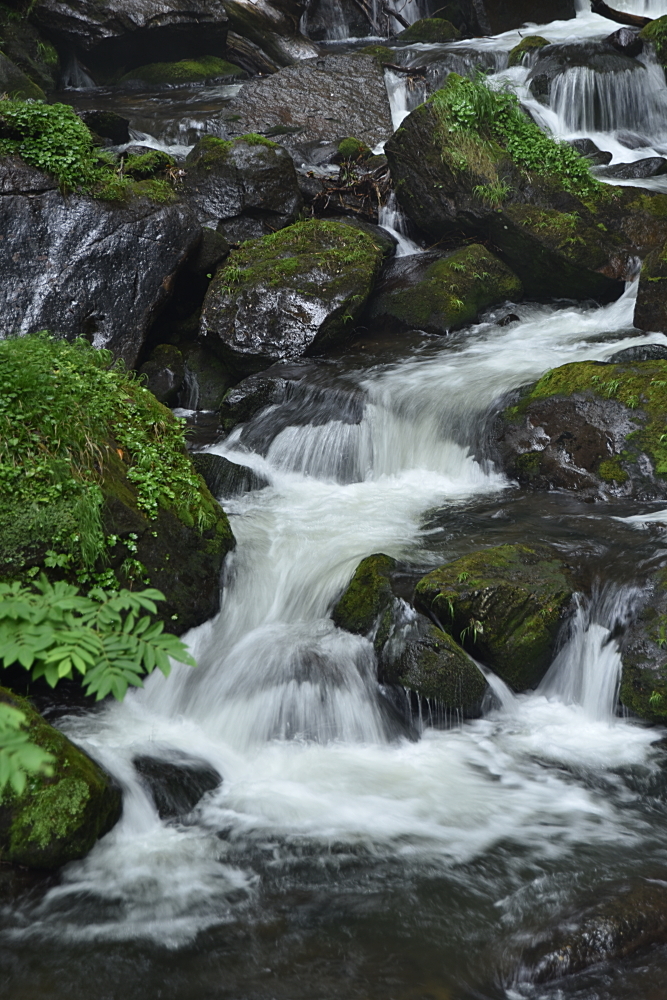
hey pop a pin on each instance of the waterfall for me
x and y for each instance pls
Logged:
(391, 218)
(75, 77)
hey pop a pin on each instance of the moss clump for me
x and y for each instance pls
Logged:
(430, 29)
(504, 605)
(451, 292)
(656, 34)
(366, 604)
(525, 47)
(211, 151)
(353, 149)
(58, 818)
(174, 74)
(479, 127)
(435, 667)
(148, 164)
(77, 430)
(641, 386)
(612, 471)
(381, 53)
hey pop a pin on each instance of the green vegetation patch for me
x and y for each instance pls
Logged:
(479, 126)
(502, 604)
(52, 138)
(74, 425)
(525, 46)
(430, 29)
(640, 386)
(381, 53)
(211, 151)
(353, 149)
(173, 74)
(656, 34)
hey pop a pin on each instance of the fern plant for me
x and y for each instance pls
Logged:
(19, 757)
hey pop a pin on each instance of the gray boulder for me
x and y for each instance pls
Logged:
(84, 267)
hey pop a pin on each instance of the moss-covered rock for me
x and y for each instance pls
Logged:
(58, 818)
(293, 293)
(204, 69)
(352, 149)
(366, 605)
(503, 604)
(13, 81)
(655, 34)
(470, 160)
(595, 428)
(29, 51)
(381, 53)
(644, 654)
(434, 666)
(437, 293)
(525, 47)
(430, 29)
(146, 165)
(96, 484)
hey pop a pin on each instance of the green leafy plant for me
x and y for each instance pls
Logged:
(655, 699)
(474, 628)
(107, 638)
(19, 758)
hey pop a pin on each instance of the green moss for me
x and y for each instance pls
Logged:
(612, 471)
(147, 164)
(525, 46)
(641, 386)
(430, 29)
(57, 818)
(185, 71)
(253, 139)
(504, 604)
(565, 233)
(353, 149)
(529, 463)
(381, 53)
(656, 34)
(367, 599)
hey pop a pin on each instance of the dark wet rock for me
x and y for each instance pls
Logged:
(526, 49)
(248, 186)
(490, 17)
(318, 100)
(273, 28)
(650, 166)
(434, 666)
(183, 73)
(256, 392)
(651, 305)
(504, 605)
(108, 125)
(224, 478)
(365, 607)
(644, 654)
(206, 378)
(429, 29)
(551, 239)
(14, 81)
(318, 19)
(439, 292)
(627, 41)
(554, 60)
(58, 818)
(510, 318)
(85, 267)
(28, 50)
(164, 373)
(111, 36)
(620, 926)
(643, 352)
(590, 427)
(594, 155)
(177, 782)
(294, 293)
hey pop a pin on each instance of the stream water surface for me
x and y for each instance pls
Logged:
(351, 851)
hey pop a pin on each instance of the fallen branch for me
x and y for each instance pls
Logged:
(394, 13)
(634, 20)
(408, 70)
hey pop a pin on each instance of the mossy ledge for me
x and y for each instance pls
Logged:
(58, 818)
(182, 73)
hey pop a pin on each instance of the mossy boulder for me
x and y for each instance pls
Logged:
(430, 29)
(470, 161)
(526, 46)
(58, 818)
(437, 293)
(13, 81)
(644, 654)
(651, 305)
(352, 149)
(29, 51)
(291, 294)
(504, 605)
(434, 666)
(592, 427)
(366, 605)
(247, 186)
(655, 34)
(205, 69)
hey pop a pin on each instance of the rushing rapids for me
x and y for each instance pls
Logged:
(355, 847)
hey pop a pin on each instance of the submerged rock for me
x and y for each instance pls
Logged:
(591, 427)
(85, 267)
(366, 605)
(246, 184)
(440, 292)
(293, 293)
(58, 818)
(177, 782)
(503, 604)
(642, 352)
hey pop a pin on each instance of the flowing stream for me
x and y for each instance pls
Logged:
(352, 850)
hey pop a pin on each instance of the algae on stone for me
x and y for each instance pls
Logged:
(503, 604)
(366, 604)
(57, 818)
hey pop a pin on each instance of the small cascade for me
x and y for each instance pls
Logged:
(189, 395)
(75, 77)
(587, 670)
(391, 218)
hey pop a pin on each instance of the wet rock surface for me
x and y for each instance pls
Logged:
(554, 60)
(651, 305)
(176, 782)
(85, 267)
(644, 675)
(224, 478)
(649, 166)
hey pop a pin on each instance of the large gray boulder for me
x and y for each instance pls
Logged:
(84, 267)
(248, 186)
